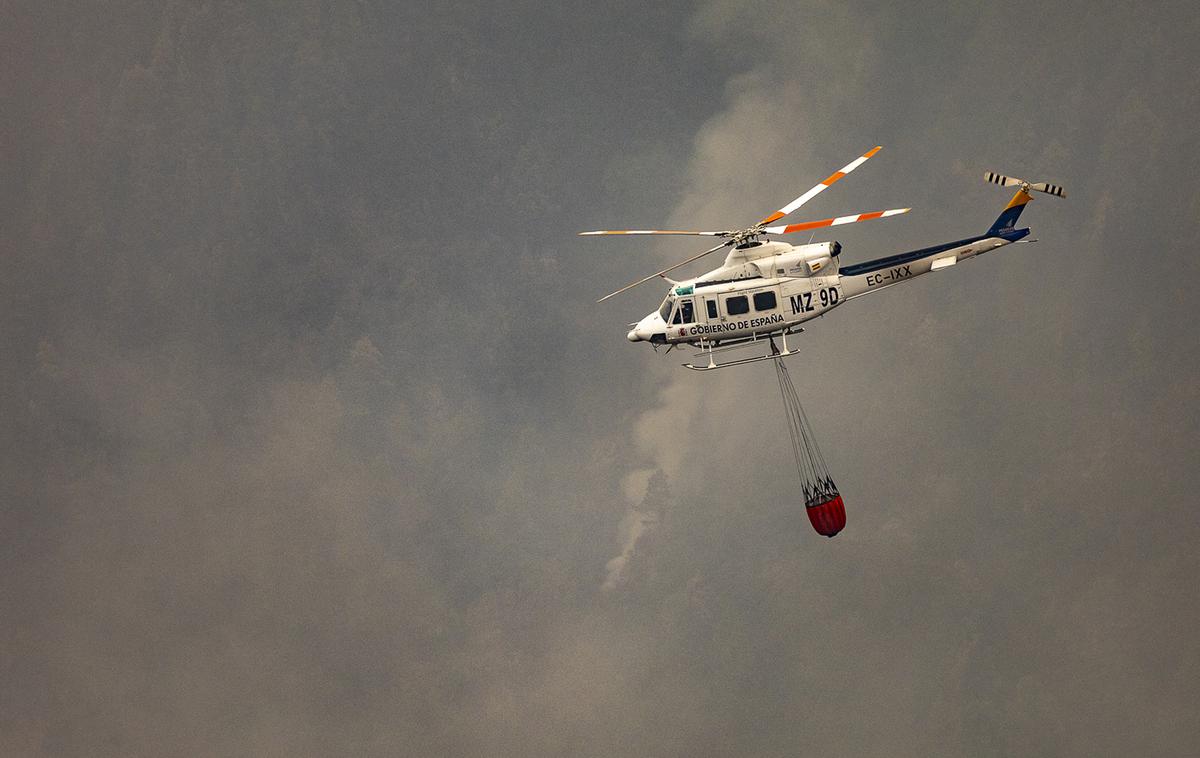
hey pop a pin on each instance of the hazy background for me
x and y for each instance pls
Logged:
(315, 441)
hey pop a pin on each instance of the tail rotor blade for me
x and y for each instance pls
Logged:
(1002, 180)
(665, 270)
(1049, 189)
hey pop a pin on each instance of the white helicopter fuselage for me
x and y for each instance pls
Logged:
(766, 289)
(769, 288)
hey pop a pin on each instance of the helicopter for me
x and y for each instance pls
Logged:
(767, 289)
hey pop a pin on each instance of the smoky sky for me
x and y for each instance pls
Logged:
(315, 441)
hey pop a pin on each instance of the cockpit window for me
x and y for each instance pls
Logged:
(664, 310)
(685, 313)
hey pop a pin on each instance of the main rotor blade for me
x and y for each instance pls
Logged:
(833, 221)
(657, 231)
(665, 270)
(785, 210)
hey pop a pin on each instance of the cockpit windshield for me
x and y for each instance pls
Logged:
(664, 310)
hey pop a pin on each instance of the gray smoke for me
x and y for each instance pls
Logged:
(316, 442)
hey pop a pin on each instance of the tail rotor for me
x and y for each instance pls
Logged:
(1010, 181)
(1008, 218)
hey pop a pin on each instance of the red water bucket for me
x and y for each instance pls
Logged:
(827, 515)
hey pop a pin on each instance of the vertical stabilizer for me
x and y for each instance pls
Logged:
(1008, 217)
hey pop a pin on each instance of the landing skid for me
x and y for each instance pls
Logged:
(775, 354)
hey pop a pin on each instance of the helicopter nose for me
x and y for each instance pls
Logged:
(633, 336)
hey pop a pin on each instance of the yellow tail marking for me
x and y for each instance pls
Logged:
(1020, 198)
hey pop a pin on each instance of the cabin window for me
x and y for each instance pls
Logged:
(764, 301)
(712, 308)
(736, 306)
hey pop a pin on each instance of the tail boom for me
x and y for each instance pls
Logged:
(871, 276)
(861, 278)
